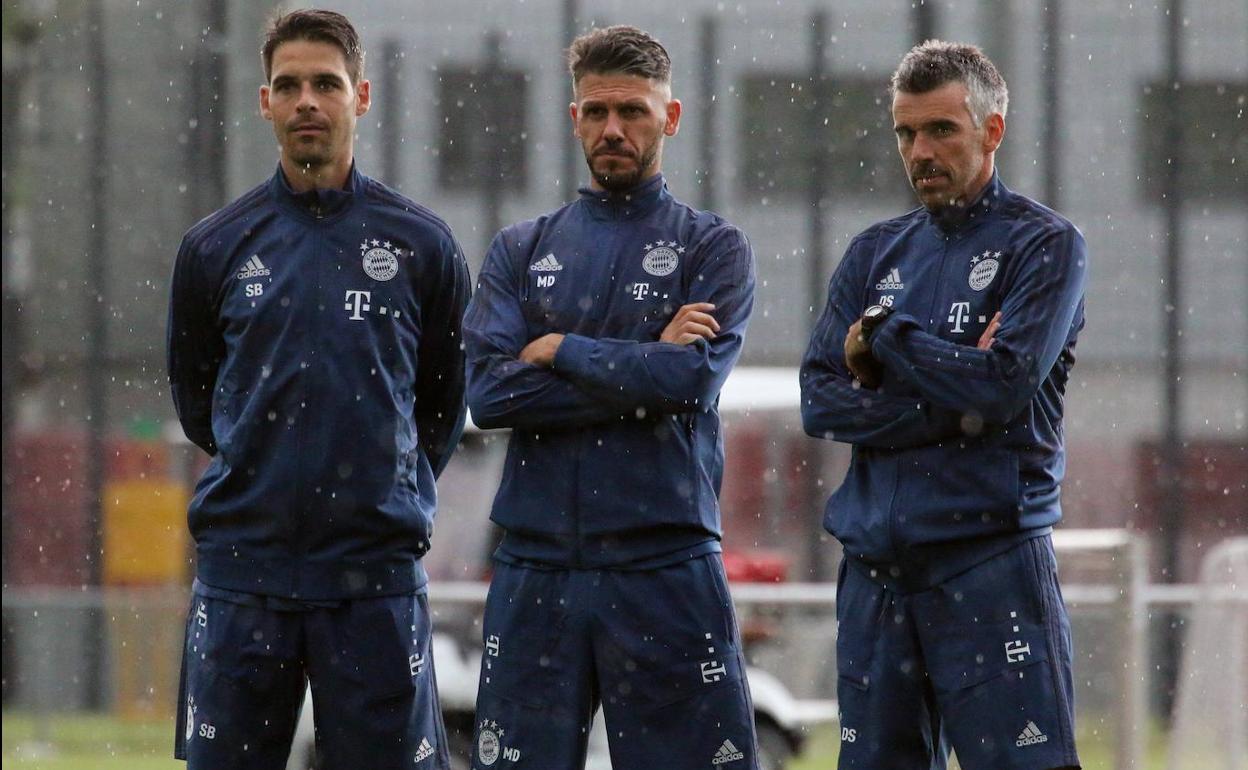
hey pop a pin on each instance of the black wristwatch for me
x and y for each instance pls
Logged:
(872, 318)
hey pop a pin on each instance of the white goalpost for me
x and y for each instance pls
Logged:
(1210, 725)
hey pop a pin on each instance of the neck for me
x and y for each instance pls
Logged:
(981, 182)
(650, 174)
(329, 176)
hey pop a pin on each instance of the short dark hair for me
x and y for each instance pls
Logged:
(317, 25)
(934, 63)
(619, 50)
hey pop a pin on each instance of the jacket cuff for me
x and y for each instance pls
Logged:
(884, 338)
(572, 357)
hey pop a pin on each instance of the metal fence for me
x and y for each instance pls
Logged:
(789, 627)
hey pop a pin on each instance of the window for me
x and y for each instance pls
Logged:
(1214, 137)
(482, 138)
(784, 122)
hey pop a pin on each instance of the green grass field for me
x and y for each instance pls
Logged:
(88, 742)
(103, 742)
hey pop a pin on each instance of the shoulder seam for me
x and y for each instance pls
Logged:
(226, 215)
(379, 192)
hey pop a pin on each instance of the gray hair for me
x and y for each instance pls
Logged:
(934, 63)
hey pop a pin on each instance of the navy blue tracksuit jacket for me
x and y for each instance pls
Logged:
(960, 452)
(314, 352)
(616, 454)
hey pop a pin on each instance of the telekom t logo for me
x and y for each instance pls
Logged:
(357, 302)
(959, 313)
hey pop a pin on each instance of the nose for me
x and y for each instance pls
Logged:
(921, 148)
(307, 98)
(613, 131)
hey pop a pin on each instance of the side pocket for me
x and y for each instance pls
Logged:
(859, 609)
(715, 565)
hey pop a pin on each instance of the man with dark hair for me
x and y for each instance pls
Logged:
(942, 357)
(314, 352)
(601, 334)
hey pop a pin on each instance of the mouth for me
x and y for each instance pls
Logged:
(308, 129)
(928, 178)
(614, 154)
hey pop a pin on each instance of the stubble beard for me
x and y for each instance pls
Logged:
(621, 181)
(310, 158)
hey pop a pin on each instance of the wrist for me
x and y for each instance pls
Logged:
(873, 318)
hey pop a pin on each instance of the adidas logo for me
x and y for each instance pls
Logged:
(891, 282)
(547, 264)
(424, 751)
(254, 268)
(1030, 735)
(727, 753)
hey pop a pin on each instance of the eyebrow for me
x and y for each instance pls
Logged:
(936, 123)
(318, 76)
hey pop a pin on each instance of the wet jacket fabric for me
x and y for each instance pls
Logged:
(616, 453)
(959, 454)
(314, 352)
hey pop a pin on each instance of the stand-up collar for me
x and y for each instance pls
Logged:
(318, 203)
(954, 218)
(628, 204)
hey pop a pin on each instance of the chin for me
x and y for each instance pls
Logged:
(309, 160)
(616, 178)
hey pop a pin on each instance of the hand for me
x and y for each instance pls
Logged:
(541, 351)
(985, 339)
(859, 359)
(691, 323)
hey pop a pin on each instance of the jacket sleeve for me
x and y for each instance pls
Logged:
(440, 408)
(195, 347)
(834, 406)
(1040, 311)
(503, 391)
(661, 377)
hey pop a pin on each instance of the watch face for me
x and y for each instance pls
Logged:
(875, 311)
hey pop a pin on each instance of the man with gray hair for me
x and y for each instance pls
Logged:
(601, 334)
(942, 356)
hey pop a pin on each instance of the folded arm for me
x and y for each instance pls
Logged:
(686, 373)
(1039, 312)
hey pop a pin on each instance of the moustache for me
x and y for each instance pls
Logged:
(926, 170)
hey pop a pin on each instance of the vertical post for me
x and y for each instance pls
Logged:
(571, 149)
(22, 32)
(816, 134)
(1133, 645)
(708, 87)
(97, 319)
(391, 110)
(1170, 513)
(489, 173)
(924, 20)
(1052, 99)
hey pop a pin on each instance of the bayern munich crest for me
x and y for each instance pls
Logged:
(489, 744)
(662, 258)
(381, 259)
(983, 269)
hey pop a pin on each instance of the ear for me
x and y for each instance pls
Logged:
(264, 103)
(363, 97)
(576, 126)
(673, 118)
(994, 132)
